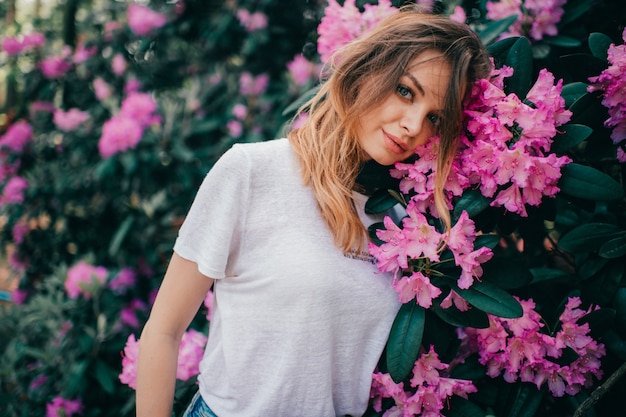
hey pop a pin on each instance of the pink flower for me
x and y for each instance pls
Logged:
(342, 24)
(34, 40)
(118, 64)
(13, 192)
(209, 302)
(82, 54)
(70, 120)
(101, 89)
(301, 70)
(19, 232)
(250, 85)
(139, 107)
(130, 354)
(60, 407)
(240, 111)
(124, 279)
(12, 45)
(84, 279)
(190, 354)
(119, 134)
(128, 315)
(458, 15)
(54, 66)
(235, 128)
(252, 21)
(142, 20)
(416, 286)
(17, 136)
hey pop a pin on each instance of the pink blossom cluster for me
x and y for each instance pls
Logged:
(411, 251)
(142, 20)
(504, 149)
(190, 354)
(84, 279)
(342, 24)
(252, 21)
(17, 136)
(250, 85)
(13, 191)
(521, 348)
(431, 390)
(124, 130)
(612, 83)
(69, 120)
(535, 18)
(14, 45)
(61, 407)
(54, 67)
(302, 70)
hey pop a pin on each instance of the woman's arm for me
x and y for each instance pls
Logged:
(182, 291)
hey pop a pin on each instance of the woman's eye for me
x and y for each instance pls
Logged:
(404, 91)
(434, 119)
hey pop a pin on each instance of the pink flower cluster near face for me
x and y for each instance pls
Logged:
(431, 391)
(612, 83)
(415, 247)
(535, 18)
(61, 407)
(124, 130)
(69, 120)
(18, 44)
(520, 348)
(190, 354)
(142, 20)
(342, 24)
(84, 279)
(252, 21)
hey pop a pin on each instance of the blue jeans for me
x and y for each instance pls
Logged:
(198, 408)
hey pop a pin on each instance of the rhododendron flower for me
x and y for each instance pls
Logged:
(458, 15)
(128, 315)
(102, 89)
(17, 136)
(82, 53)
(142, 20)
(12, 45)
(240, 111)
(190, 354)
(118, 65)
(13, 192)
(19, 232)
(70, 120)
(235, 128)
(612, 84)
(252, 21)
(16, 45)
(209, 302)
(432, 389)
(342, 24)
(124, 279)
(119, 133)
(139, 107)
(250, 85)
(519, 349)
(54, 66)
(535, 18)
(61, 407)
(83, 279)
(301, 70)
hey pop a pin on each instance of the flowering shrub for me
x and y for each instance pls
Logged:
(108, 126)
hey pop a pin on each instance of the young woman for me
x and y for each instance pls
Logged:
(301, 313)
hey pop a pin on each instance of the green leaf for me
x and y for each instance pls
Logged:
(120, 235)
(599, 321)
(105, 376)
(489, 240)
(588, 237)
(499, 50)
(591, 266)
(380, 202)
(614, 344)
(371, 231)
(291, 109)
(582, 66)
(573, 91)
(574, 9)
(520, 57)
(588, 110)
(405, 339)
(588, 183)
(526, 401)
(470, 318)
(619, 303)
(599, 44)
(495, 28)
(562, 41)
(506, 273)
(614, 248)
(471, 201)
(460, 407)
(491, 299)
(470, 368)
(601, 288)
(572, 135)
(548, 274)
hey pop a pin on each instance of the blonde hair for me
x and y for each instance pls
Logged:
(327, 144)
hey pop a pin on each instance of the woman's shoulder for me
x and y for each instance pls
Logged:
(269, 148)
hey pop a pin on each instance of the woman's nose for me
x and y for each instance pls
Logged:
(411, 123)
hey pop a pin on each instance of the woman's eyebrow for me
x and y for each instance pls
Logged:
(416, 83)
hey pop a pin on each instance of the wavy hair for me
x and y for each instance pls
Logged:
(327, 143)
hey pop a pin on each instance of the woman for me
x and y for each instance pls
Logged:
(301, 313)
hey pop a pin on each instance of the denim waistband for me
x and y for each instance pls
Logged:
(198, 408)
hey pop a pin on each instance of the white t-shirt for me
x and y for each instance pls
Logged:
(298, 327)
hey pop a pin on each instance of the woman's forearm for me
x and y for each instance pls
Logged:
(156, 373)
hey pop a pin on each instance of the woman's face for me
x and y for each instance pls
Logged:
(409, 116)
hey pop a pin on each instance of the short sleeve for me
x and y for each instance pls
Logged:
(212, 231)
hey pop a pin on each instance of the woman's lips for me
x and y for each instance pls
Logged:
(394, 144)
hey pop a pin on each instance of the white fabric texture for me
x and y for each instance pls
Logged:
(298, 327)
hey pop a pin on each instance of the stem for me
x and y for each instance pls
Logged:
(600, 391)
